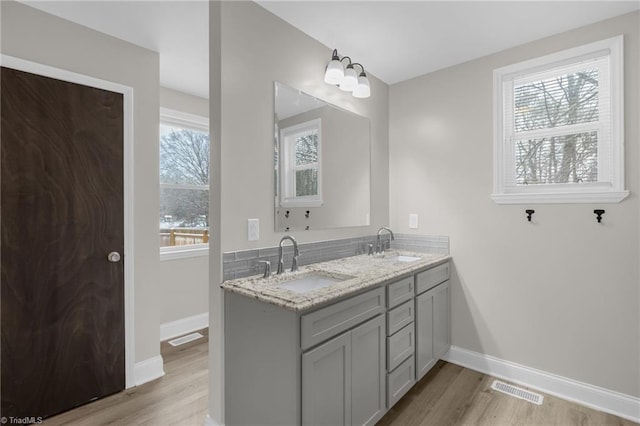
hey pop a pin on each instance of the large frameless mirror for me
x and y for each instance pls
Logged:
(322, 163)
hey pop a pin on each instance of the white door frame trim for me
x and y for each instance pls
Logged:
(127, 92)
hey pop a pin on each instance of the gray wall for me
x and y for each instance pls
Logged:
(258, 49)
(249, 49)
(560, 294)
(32, 35)
(183, 283)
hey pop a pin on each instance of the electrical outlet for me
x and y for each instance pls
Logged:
(253, 229)
(413, 221)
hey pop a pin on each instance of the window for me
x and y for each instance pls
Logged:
(559, 127)
(301, 171)
(184, 184)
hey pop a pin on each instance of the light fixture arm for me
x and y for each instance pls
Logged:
(347, 58)
(363, 74)
(336, 57)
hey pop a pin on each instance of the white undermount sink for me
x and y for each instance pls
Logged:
(310, 282)
(403, 258)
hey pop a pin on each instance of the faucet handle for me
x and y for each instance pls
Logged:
(370, 246)
(267, 268)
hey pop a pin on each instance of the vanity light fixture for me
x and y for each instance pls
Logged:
(363, 88)
(347, 78)
(350, 79)
(334, 72)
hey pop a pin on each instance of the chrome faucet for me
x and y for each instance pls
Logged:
(267, 268)
(296, 253)
(379, 247)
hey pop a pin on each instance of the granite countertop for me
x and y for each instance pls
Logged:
(355, 274)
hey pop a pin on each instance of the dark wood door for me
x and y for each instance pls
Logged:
(61, 206)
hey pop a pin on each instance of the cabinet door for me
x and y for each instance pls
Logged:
(441, 334)
(368, 372)
(425, 358)
(326, 383)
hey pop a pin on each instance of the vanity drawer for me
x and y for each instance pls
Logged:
(400, 291)
(400, 381)
(400, 316)
(325, 323)
(431, 278)
(400, 346)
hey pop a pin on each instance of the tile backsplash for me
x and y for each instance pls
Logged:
(244, 263)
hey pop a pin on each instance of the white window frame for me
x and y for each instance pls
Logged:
(288, 165)
(610, 162)
(199, 123)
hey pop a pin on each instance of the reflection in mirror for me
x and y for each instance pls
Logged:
(322, 157)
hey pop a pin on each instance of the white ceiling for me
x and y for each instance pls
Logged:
(177, 29)
(394, 40)
(398, 40)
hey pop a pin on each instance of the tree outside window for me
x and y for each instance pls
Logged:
(184, 185)
(559, 127)
(566, 100)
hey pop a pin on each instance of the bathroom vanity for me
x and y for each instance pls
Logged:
(337, 342)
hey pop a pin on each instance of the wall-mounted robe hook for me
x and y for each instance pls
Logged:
(529, 213)
(307, 214)
(599, 214)
(286, 214)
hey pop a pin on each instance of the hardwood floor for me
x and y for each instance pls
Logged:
(453, 395)
(178, 398)
(448, 395)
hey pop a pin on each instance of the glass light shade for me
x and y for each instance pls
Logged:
(363, 89)
(350, 80)
(334, 72)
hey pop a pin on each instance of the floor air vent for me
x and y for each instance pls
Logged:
(517, 392)
(185, 339)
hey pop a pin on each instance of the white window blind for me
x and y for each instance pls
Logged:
(559, 127)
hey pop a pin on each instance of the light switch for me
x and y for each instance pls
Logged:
(413, 221)
(253, 229)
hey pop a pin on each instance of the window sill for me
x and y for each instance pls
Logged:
(608, 197)
(301, 203)
(186, 252)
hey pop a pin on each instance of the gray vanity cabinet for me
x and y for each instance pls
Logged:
(441, 323)
(344, 363)
(368, 372)
(326, 383)
(324, 367)
(343, 380)
(425, 357)
(432, 318)
(400, 339)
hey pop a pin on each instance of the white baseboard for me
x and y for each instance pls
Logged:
(208, 421)
(148, 370)
(621, 405)
(172, 329)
